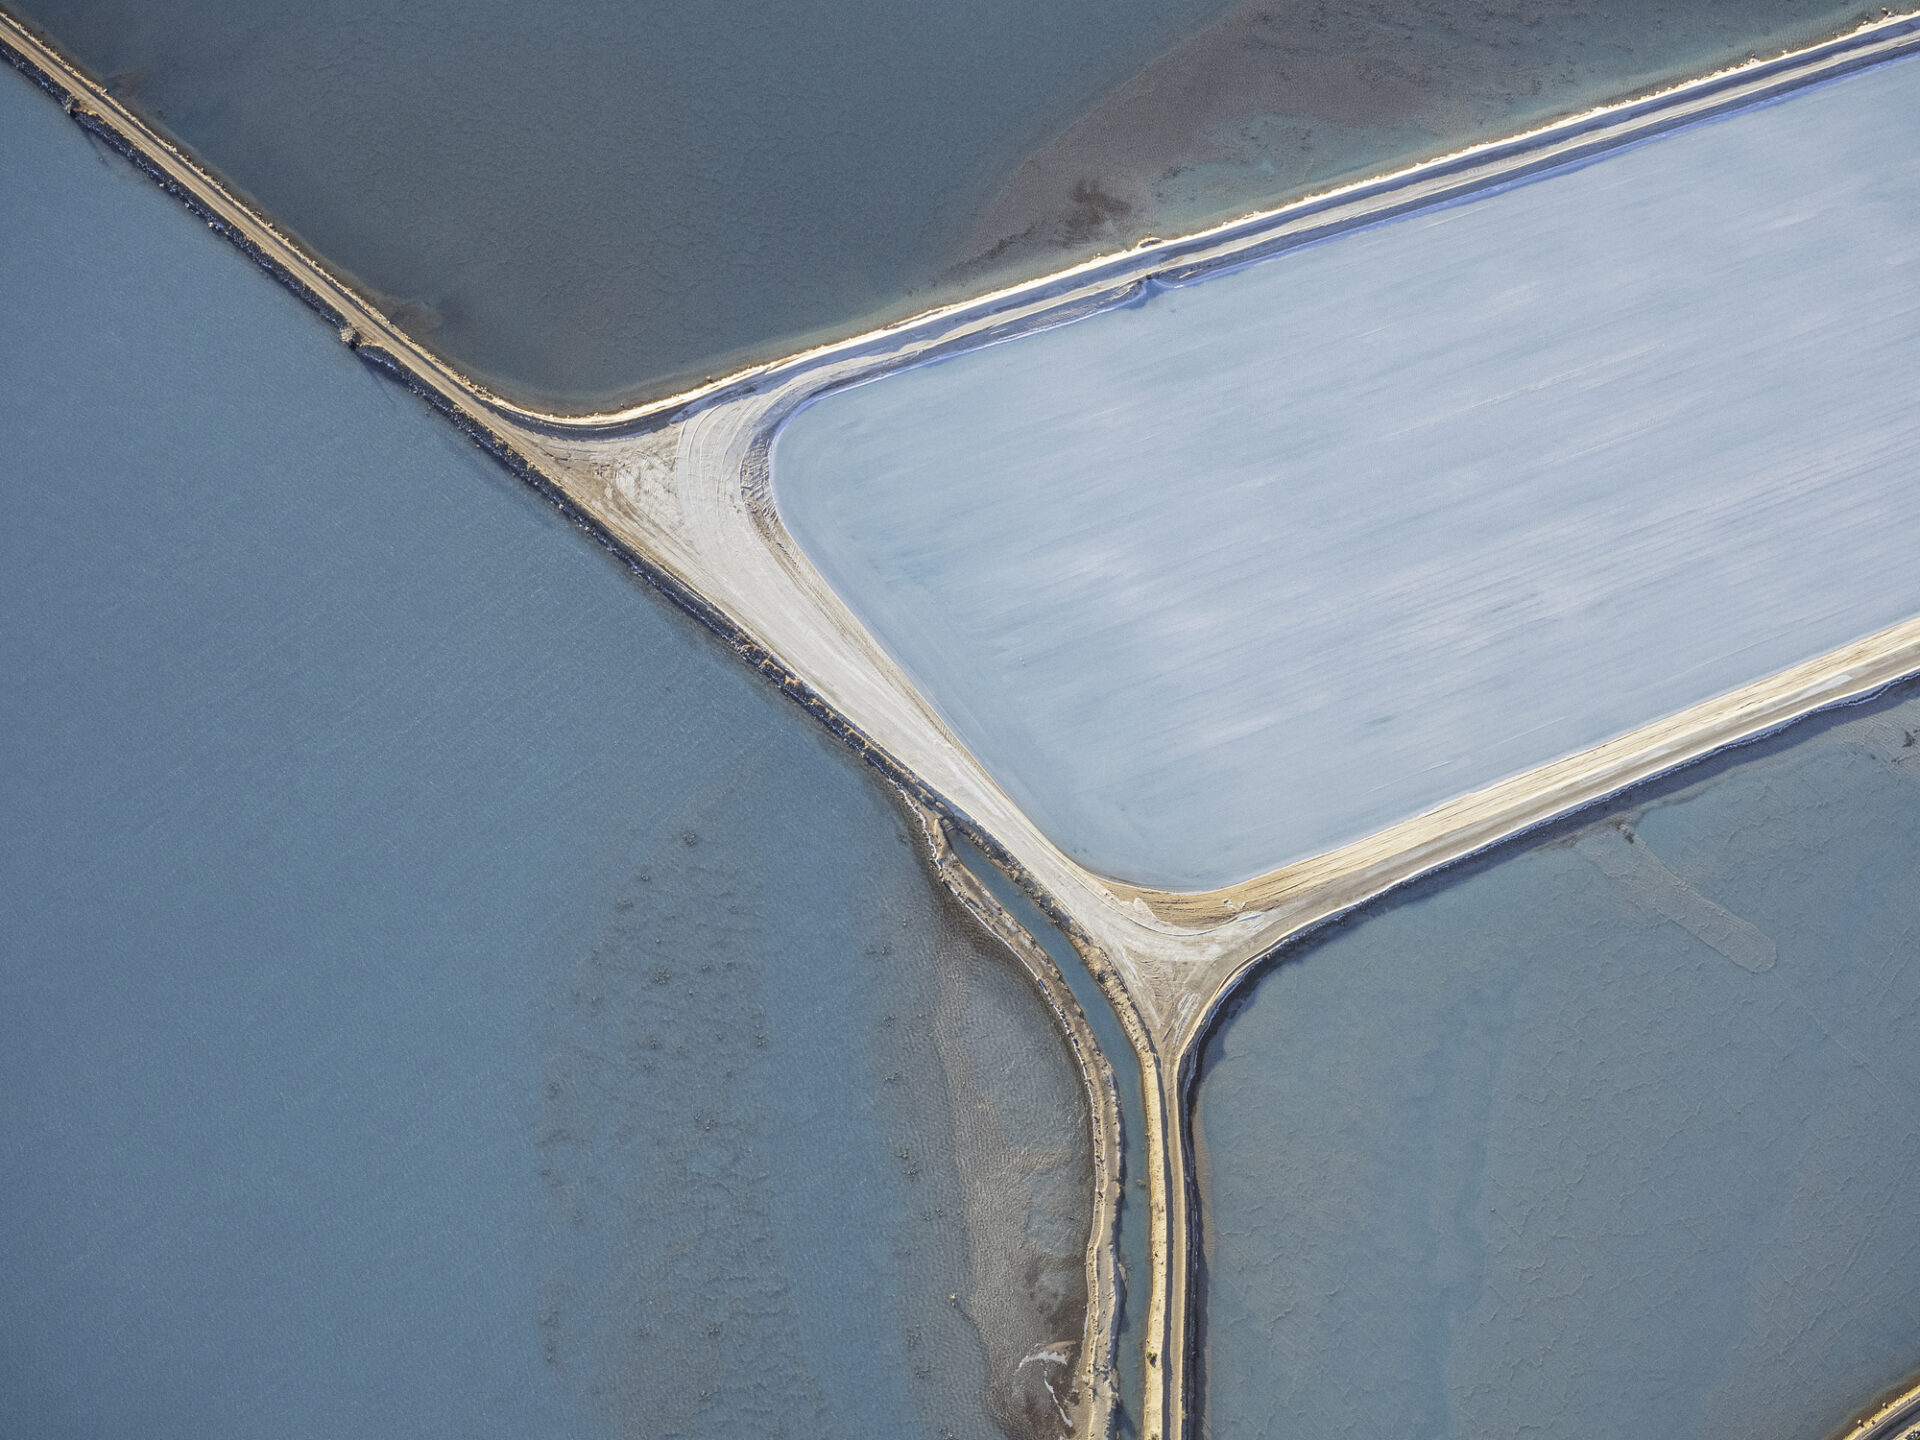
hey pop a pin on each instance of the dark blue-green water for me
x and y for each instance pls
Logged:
(441, 992)
(595, 201)
(1614, 1133)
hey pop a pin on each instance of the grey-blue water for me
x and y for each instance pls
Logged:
(1614, 1133)
(441, 992)
(1265, 563)
(1131, 1217)
(598, 200)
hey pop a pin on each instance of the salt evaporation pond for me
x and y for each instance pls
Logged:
(613, 200)
(441, 992)
(1262, 564)
(607, 201)
(1614, 1133)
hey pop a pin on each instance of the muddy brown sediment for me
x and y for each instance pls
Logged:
(1280, 97)
(1063, 1385)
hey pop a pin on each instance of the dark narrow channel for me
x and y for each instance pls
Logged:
(1132, 1223)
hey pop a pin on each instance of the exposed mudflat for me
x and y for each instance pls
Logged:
(1615, 1125)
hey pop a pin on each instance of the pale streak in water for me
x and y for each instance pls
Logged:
(682, 487)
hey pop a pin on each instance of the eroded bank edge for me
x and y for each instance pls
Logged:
(1895, 1416)
(1163, 1401)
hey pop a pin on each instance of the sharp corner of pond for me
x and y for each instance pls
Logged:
(612, 203)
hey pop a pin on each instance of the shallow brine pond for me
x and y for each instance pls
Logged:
(442, 992)
(1613, 1133)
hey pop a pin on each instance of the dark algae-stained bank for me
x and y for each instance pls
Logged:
(442, 992)
(1611, 1133)
(596, 203)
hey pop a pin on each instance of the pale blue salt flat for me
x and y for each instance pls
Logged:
(612, 200)
(442, 993)
(1265, 563)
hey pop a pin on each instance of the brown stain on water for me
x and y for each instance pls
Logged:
(1277, 98)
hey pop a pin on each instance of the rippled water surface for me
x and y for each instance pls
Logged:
(441, 992)
(1614, 1133)
(598, 200)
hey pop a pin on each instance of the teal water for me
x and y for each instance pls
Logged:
(599, 201)
(1615, 1132)
(441, 991)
